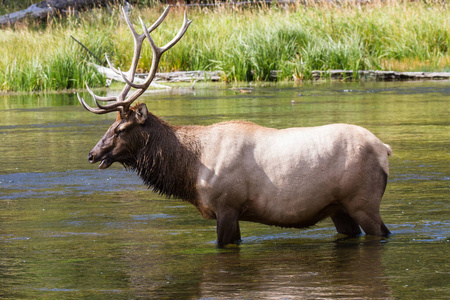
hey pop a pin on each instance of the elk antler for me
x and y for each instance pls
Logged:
(122, 102)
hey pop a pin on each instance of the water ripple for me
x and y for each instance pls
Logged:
(78, 182)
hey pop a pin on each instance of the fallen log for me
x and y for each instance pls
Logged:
(379, 75)
(44, 9)
(187, 76)
(110, 74)
(193, 76)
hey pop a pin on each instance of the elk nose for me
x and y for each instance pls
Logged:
(90, 157)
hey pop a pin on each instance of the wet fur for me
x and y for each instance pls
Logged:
(165, 164)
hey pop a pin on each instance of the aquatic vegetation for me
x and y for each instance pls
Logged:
(245, 43)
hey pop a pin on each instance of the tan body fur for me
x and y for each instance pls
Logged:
(291, 177)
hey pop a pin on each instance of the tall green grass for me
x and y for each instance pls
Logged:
(244, 43)
(34, 58)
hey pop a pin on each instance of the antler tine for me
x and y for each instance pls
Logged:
(102, 109)
(160, 19)
(133, 31)
(99, 98)
(97, 111)
(116, 106)
(120, 105)
(122, 102)
(111, 65)
(127, 81)
(179, 35)
(138, 40)
(157, 51)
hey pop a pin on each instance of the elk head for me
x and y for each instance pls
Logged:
(121, 138)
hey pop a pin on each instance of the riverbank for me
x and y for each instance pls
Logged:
(191, 76)
(244, 44)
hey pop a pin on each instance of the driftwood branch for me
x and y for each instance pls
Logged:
(110, 74)
(333, 74)
(192, 76)
(87, 49)
(44, 9)
(188, 76)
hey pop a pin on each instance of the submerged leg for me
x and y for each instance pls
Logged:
(228, 231)
(345, 224)
(364, 207)
(371, 223)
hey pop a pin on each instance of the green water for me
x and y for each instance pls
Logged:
(68, 230)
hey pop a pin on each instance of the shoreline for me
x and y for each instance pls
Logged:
(216, 77)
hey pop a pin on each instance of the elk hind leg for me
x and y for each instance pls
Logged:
(366, 212)
(364, 208)
(345, 224)
(371, 223)
(228, 231)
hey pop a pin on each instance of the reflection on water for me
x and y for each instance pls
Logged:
(306, 271)
(68, 230)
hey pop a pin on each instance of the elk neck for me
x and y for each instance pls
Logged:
(168, 159)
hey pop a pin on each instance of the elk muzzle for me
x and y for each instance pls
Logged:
(103, 152)
(105, 161)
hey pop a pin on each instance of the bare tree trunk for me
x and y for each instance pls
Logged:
(46, 8)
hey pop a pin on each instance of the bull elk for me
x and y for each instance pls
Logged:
(238, 170)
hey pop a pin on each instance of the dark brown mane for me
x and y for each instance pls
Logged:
(166, 164)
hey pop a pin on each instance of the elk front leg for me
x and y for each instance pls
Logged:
(345, 224)
(228, 231)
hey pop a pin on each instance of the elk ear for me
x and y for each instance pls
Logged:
(141, 113)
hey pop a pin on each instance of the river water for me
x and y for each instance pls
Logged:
(68, 230)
